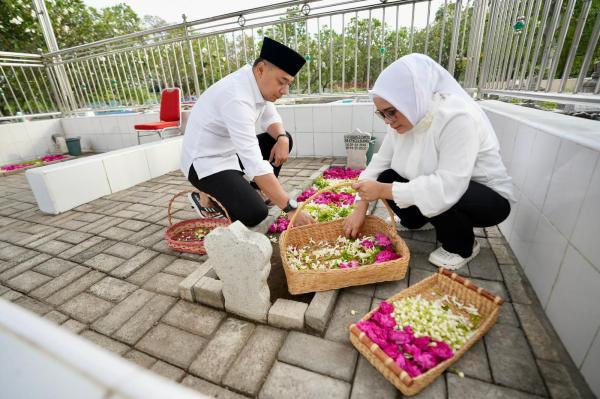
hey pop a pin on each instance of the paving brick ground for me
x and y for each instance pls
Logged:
(104, 272)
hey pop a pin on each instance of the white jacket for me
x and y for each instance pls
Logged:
(222, 126)
(450, 146)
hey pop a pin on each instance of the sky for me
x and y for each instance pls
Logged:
(171, 10)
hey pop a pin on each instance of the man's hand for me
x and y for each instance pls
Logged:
(370, 190)
(302, 219)
(353, 223)
(280, 152)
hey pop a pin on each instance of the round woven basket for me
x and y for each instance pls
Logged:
(174, 230)
(300, 282)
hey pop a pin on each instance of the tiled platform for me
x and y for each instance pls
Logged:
(103, 271)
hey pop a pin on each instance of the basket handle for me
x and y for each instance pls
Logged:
(194, 191)
(330, 188)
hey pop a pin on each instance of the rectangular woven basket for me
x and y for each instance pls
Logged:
(444, 283)
(300, 282)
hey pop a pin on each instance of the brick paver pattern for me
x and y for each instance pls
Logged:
(103, 271)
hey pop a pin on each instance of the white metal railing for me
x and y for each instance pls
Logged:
(26, 86)
(508, 47)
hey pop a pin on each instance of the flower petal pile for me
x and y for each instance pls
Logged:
(414, 354)
(344, 253)
(23, 165)
(418, 333)
(437, 319)
(341, 173)
(329, 205)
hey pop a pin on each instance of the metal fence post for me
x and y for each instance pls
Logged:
(192, 60)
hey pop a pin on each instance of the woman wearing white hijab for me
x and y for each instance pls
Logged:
(439, 163)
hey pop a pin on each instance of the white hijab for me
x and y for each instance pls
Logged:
(410, 82)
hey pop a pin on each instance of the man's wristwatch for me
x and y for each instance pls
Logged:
(281, 135)
(292, 205)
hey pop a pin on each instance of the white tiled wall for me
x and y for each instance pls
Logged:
(554, 228)
(27, 140)
(317, 130)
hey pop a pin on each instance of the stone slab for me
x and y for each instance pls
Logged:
(507, 315)
(320, 309)
(56, 317)
(539, 335)
(104, 262)
(209, 389)
(390, 288)
(85, 307)
(316, 354)
(209, 291)
(435, 390)
(349, 309)
(27, 281)
(133, 264)
(474, 363)
(139, 324)
(511, 361)
(105, 342)
(460, 388)
(163, 283)
(171, 344)
(31, 304)
(112, 289)
(485, 266)
(13, 270)
(558, 380)
(255, 360)
(166, 370)
(287, 314)
(289, 382)
(124, 250)
(186, 287)
(122, 312)
(370, 383)
(74, 288)
(182, 267)
(220, 352)
(74, 326)
(74, 237)
(54, 267)
(140, 358)
(149, 269)
(194, 318)
(520, 291)
(366, 290)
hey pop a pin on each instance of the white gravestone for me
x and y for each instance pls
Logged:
(242, 260)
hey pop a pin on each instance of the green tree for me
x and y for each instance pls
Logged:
(73, 22)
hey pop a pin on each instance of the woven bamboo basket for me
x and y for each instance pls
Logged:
(195, 246)
(442, 283)
(300, 282)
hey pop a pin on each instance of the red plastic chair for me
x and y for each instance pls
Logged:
(170, 116)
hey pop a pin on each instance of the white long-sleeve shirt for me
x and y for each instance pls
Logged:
(221, 127)
(449, 147)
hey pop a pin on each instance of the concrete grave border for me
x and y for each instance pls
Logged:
(203, 286)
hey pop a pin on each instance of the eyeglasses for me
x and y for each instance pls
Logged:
(387, 114)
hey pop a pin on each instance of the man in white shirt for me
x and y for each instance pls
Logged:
(220, 143)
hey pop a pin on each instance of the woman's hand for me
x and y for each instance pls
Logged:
(354, 222)
(370, 190)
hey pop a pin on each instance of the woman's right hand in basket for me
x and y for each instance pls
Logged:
(354, 222)
(302, 219)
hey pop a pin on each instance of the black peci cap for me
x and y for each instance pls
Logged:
(281, 56)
